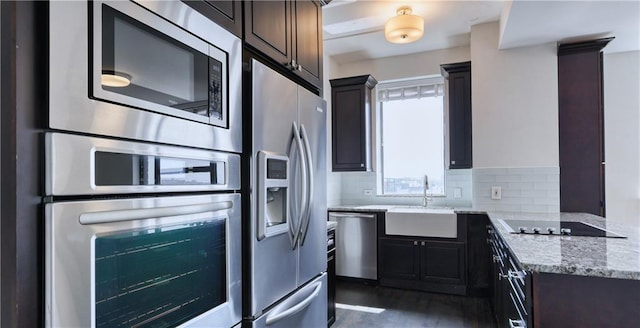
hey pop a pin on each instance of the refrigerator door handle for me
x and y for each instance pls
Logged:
(277, 315)
(304, 228)
(294, 227)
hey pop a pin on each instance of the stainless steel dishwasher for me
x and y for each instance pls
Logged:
(357, 244)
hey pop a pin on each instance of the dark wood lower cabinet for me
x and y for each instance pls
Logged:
(422, 264)
(442, 262)
(478, 254)
(399, 259)
(561, 300)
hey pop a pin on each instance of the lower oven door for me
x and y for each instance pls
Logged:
(146, 262)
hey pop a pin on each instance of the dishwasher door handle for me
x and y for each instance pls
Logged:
(351, 215)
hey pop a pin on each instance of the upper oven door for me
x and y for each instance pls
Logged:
(144, 262)
(155, 71)
(142, 60)
(79, 165)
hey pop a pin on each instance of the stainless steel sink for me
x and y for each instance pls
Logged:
(421, 222)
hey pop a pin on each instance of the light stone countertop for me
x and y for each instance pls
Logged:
(586, 256)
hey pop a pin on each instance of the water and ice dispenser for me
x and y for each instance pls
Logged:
(273, 195)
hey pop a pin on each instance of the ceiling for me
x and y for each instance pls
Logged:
(354, 29)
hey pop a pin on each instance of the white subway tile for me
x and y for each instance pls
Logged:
(520, 171)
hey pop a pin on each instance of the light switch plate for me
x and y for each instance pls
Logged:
(496, 192)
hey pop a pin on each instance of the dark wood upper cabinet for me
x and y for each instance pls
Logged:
(227, 14)
(581, 127)
(289, 33)
(351, 123)
(458, 76)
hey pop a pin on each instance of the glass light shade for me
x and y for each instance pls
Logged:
(115, 79)
(404, 28)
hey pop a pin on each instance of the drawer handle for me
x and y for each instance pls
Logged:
(516, 274)
(516, 323)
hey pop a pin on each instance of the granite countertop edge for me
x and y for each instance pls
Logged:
(557, 254)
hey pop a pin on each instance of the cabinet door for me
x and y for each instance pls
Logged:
(442, 262)
(308, 40)
(399, 259)
(331, 287)
(460, 120)
(268, 28)
(227, 14)
(581, 127)
(349, 126)
(478, 252)
(458, 77)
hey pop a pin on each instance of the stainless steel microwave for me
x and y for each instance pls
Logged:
(155, 71)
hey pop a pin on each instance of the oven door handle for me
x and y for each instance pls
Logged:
(150, 213)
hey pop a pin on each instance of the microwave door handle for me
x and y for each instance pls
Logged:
(277, 315)
(151, 213)
(310, 178)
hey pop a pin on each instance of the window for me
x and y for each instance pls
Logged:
(411, 115)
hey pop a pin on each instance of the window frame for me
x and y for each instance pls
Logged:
(379, 137)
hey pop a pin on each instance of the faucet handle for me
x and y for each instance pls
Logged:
(426, 181)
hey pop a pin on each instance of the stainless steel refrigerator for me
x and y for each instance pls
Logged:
(287, 232)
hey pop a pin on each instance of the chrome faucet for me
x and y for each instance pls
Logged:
(425, 187)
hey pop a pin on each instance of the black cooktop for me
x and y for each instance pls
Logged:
(558, 228)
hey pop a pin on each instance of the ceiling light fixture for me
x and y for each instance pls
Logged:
(404, 28)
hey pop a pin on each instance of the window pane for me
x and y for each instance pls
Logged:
(412, 146)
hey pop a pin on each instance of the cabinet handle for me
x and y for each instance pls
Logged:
(502, 275)
(453, 162)
(422, 243)
(292, 65)
(361, 164)
(415, 243)
(516, 323)
(299, 67)
(516, 274)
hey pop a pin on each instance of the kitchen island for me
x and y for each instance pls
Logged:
(569, 281)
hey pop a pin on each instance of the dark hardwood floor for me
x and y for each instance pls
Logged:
(405, 308)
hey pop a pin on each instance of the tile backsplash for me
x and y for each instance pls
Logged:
(351, 186)
(531, 189)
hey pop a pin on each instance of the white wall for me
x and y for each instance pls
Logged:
(514, 102)
(402, 67)
(622, 136)
(334, 180)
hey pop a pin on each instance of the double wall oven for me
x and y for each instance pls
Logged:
(142, 191)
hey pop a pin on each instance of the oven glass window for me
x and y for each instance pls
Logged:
(160, 277)
(142, 63)
(120, 169)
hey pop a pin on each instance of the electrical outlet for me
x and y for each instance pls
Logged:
(496, 192)
(367, 192)
(457, 192)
